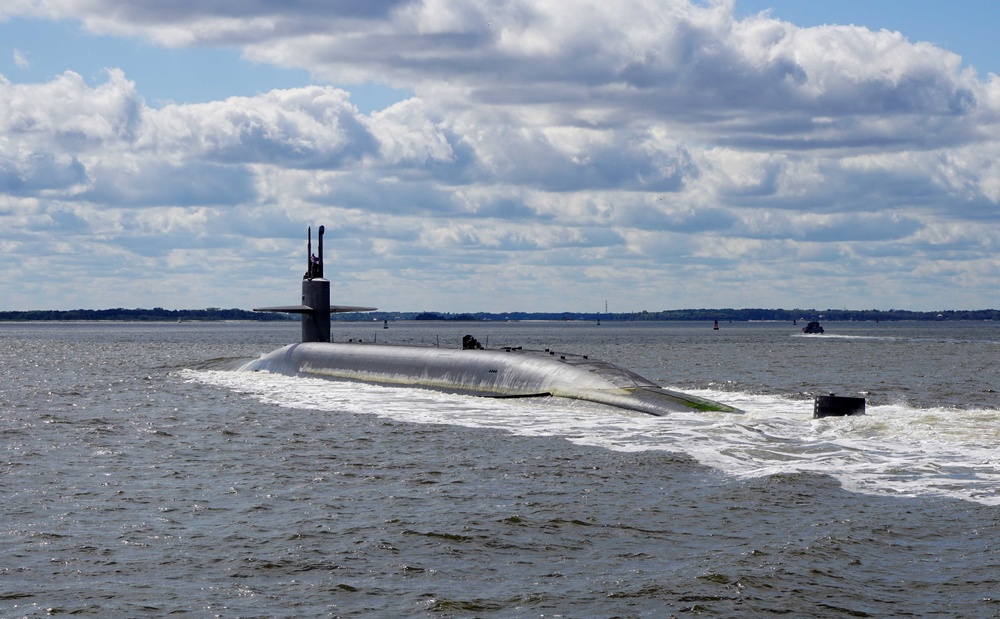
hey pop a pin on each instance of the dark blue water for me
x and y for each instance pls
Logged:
(140, 478)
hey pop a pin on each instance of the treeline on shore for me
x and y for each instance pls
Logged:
(786, 315)
(158, 314)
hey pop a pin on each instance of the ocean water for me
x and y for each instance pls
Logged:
(141, 476)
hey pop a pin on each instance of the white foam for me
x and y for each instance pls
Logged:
(892, 450)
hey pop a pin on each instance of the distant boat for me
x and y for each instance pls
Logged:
(812, 327)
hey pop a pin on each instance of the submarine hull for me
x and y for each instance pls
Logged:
(499, 373)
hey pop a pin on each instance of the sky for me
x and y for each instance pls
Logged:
(479, 155)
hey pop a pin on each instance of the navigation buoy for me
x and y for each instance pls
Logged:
(837, 406)
(716, 327)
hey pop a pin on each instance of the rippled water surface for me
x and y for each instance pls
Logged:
(141, 476)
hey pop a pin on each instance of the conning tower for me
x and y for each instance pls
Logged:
(315, 308)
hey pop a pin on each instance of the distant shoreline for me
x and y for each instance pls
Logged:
(156, 314)
(738, 315)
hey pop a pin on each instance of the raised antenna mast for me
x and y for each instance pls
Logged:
(319, 259)
(309, 254)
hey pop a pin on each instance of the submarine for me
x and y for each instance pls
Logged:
(504, 372)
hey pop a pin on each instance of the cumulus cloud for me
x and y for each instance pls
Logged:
(312, 127)
(630, 148)
(68, 112)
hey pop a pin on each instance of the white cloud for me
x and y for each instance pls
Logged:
(67, 111)
(406, 134)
